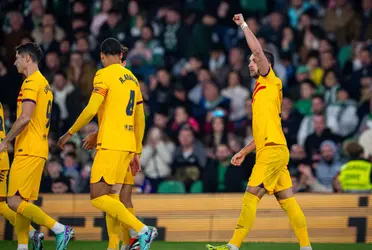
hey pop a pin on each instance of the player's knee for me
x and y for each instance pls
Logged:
(13, 202)
(257, 191)
(284, 194)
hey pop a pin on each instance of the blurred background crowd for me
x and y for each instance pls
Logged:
(192, 63)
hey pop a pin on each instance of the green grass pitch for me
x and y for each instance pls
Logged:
(102, 245)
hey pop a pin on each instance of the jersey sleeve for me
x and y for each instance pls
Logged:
(139, 122)
(29, 91)
(99, 85)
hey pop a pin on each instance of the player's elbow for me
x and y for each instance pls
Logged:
(25, 118)
(257, 52)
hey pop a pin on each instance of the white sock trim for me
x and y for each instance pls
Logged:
(124, 247)
(58, 228)
(232, 247)
(143, 230)
(132, 233)
(306, 248)
(22, 247)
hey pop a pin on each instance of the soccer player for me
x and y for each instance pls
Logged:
(35, 236)
(130, 241)
(31, 128)
(117, 99)
(270, 173)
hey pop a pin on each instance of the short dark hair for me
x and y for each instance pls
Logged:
(125, 51)
(270, 57)
(321, 97)
(62, 73)
(31, 49)
(111, 46)
(354, 150)
(72, 155)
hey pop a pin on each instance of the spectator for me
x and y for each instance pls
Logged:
(237, 94)
(156, 157)
(196, 93)
(100, 18)
(321, 134)
(67, 97)
(213, 99)
(329, 165)
(342, 22)
(296, 9)
(54, 181)
(71, 168)
(291, 120)
(366, 28)
(316, 72)
(330, 87)
(182, 117)
(218, 135)
(13, 38)
(217, 58)
(304, 104)
(112, 28)
(48, 43)
(307, 124)
(81, 75)
(9, 75)
(48, 20)
(52, 65)
(189, 158)
(342, 115)
(160, 89)
(220, 175)
(172, 36)
(356, 174)
(64, 53)
(236, 63)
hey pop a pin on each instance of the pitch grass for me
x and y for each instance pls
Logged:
(102, 245)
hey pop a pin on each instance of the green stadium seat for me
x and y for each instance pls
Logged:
(171, 187)
(196, 187)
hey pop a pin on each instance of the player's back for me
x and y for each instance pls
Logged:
(266, 106)
(33, 140)
(116, 115)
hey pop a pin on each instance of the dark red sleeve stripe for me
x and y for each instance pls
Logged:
(29, 100)
(139, 102)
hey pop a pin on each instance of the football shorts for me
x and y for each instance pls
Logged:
(271, 171)
(111, 166)
(25, 176)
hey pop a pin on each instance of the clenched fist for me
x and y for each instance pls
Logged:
(238, 19)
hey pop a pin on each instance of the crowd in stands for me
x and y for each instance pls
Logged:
(191, 61)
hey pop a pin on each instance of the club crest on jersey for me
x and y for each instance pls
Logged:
(47, 89)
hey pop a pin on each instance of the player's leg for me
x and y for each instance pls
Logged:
(105, 172)
(113, 225)
(265, 175)
(35, 236)
(126, 199)
(24, 183)
(284, 195)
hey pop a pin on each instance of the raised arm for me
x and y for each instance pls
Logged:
(254, 45)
